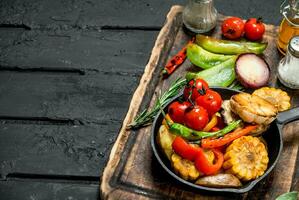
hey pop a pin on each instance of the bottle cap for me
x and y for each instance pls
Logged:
(294, 46)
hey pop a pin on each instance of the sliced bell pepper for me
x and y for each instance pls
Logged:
(204, 59)
(182, 148)
(211, 123)
(203, 165)
(219, 75)
(214, 143)
(229, 47)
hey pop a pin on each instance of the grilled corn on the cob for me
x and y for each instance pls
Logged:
(280, 99)
(246, 158)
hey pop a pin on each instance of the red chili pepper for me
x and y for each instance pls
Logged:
(176, 60)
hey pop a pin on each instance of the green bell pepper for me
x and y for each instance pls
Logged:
(221, 75)
(204, 59)
(229, 47)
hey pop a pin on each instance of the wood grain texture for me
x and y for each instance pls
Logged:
(95, 14)
(67, 152)
(107, 52)
(132, 169)
(42, 190)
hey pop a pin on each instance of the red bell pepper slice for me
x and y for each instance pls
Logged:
(203, 165)
(214, 143)
(182, 148)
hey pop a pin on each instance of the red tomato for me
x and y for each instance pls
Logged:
(176, 111)
(182, 148)
(232, 28)
(193, 88)
(254, 29)
(211, 101)
(196, 118)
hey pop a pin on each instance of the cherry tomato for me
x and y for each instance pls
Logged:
(254, 29)
(182, 148)
(176, 111)
(196, 118)
(211, 101)
(232, 28)
(194, 88)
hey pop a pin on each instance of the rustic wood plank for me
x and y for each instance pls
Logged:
(27, 190)
(132, 168)
(70, 152)
(90, 97)
(93, 14)
(122, 52)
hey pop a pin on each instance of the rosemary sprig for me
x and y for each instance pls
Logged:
(146, 117)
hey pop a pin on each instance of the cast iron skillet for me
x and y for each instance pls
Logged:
(272, 136)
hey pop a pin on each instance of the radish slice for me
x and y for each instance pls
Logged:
(252, 71)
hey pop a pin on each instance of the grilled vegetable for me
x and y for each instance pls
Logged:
(165, 140)
(227, 113)
(212, 123)
(253, 109)
(219, 181)
(229, 47)
(219, 75)
(280, 99)
(246, 158)
(184, 149)
(219, 142)
(191, 134)
(202, 163)
(184, 168)
(204, 59)
(252, 71)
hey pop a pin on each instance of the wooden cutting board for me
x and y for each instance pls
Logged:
(132, 171)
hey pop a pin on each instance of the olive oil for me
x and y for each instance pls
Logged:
(286, 32)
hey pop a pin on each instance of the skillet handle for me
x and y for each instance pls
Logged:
(288, 116)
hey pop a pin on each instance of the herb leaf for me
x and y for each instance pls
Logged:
(146, 117)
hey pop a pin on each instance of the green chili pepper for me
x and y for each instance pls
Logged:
(205, 59)
(220, 75)
(229, 47)
(191, 134)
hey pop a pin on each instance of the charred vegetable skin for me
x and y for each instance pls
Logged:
(175, 62)
(229, 47)
(204, 59)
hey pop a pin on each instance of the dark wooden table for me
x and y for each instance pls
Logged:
(68, 69)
